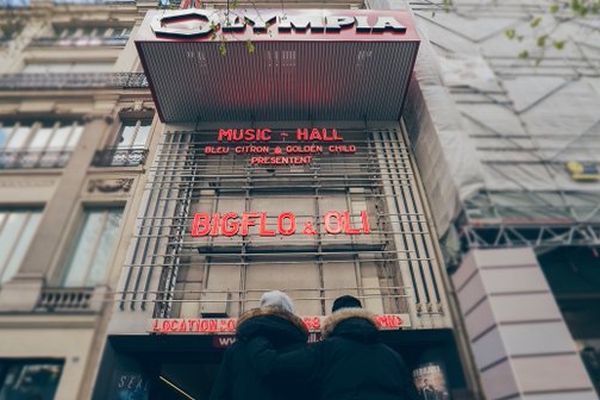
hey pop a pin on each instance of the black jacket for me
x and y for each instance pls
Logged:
(237, 378)
(349, 364)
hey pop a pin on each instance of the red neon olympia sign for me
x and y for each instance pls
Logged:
(233, 224)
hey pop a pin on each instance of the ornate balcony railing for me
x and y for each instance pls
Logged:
(119, 157)
(23, 81)
(14, 159)
(66, 299)
(117, 41)
(93, 2)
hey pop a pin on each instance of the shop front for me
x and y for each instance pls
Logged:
(281, 168)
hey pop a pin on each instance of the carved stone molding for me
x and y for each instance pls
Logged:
(99, 116)
(103, 185)
(137, 109)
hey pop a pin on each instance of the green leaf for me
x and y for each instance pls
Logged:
(222, 49)
(575, 4)
(559, 44)
(541, 41)
(523, 55)
(250, 46)
(510, 33)
(554, 8)
(535, 22)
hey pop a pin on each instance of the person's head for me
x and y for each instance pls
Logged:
(276, 298)
(346, 301)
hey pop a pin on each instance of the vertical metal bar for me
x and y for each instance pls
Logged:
(407, 202)
(407, 276)
(320, 267)
(434, 252)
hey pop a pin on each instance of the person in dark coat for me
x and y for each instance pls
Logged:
(349, 364)
(274, 320)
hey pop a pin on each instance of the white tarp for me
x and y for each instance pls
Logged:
(497, 122)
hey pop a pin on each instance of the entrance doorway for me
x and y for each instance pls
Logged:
(174, 367)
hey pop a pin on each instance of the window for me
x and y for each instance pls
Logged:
(76, 36)
(88, 263)
(16, 232)
(70, 67)
(44, 144)
(9, 29)
(130, 146)
(73, 32)
(134, 134)
(29, 379)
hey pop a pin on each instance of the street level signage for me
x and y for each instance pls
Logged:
(227, 326)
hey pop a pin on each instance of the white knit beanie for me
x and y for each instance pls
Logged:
(276, 298)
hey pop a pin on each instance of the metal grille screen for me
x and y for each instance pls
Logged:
(393, 269)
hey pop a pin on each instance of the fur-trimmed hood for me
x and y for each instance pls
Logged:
(273, 322)
(356, 323)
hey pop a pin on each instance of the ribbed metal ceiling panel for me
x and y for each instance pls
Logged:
(191, 81)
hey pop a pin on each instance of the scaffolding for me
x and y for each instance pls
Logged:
(519, 121)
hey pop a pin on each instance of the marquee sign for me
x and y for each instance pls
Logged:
(200, 23)
(233, 224)
(256, 143)
(227, 326)
(278, 65)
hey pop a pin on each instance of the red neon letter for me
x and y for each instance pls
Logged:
(290, 230)
(248, 221)
(265, 134)
(230, 229)
(302, 134)
(348, 229)
(315, 134)
(262, 228)
(365, 222)
(329, 227)
(200, 225)
(215, 225)
(249, 135)
(224, 134)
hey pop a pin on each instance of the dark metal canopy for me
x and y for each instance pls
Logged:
(311, 65)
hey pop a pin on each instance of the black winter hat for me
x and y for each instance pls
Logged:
(346, 301)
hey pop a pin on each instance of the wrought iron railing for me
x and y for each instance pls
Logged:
(66, 299)
(119, 157)
(24, 81)
(92, 2)
(14, 159)
(80, 42)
